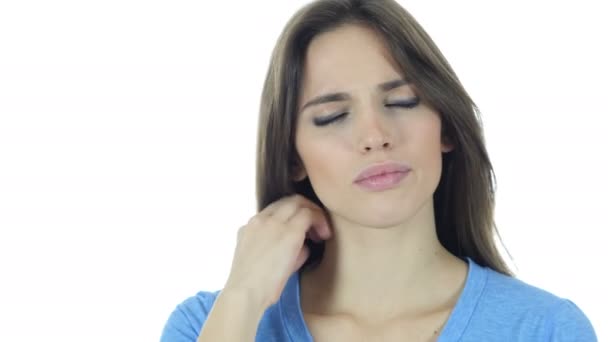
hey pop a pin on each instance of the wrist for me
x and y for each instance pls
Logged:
(249, 300)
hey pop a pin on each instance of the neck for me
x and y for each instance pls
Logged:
(382, 272)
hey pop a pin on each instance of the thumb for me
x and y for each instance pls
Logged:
(302, 257)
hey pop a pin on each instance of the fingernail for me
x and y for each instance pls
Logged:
(327, 231)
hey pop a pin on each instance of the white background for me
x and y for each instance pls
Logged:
(127, 140)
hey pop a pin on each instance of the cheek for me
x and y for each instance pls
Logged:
(426, 132)
(422, 141)
(429, 147)
(325, 158)
(319, 159)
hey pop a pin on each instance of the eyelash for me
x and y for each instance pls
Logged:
(339, 117)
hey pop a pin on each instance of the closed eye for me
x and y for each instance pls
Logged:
(329, 119)
(404, 104)
(334, 118)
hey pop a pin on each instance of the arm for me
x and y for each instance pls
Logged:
(234, 317)
(231, 315)
(571, 324)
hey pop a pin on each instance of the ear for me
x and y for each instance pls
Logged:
(297, 171)
(299, 175)
(446, 144)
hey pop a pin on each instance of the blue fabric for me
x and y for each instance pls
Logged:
(491, 307)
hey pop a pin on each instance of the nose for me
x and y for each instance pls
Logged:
(375, 135)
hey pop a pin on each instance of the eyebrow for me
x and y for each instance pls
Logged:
(334, 97)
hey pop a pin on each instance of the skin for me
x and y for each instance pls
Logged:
(384, 270)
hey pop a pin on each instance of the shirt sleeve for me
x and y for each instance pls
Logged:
(186, 320)
(571, 324)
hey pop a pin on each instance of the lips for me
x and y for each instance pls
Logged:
(379, 169)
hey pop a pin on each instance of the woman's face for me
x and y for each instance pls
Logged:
(378, 125)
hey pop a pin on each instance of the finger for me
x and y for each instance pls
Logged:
(313, 235)
(306, 219)
(324, 231)
(285, 210)
(320, 225)
(302, 257)
(319, 228)
(271, 209)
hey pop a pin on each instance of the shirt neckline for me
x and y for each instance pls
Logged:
(293, 319)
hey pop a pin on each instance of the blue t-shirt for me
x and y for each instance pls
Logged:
(491, 307)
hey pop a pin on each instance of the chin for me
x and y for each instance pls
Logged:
(377, 216)
(386, 213)
(380, 220)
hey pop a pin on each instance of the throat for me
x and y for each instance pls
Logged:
(431, 295)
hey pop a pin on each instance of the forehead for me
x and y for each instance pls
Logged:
(347, 57)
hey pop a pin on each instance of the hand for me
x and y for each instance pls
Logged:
(270, 247)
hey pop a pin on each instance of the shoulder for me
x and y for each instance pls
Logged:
(186, 320)
(512, 304)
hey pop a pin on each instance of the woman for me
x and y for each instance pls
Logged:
(375, 199)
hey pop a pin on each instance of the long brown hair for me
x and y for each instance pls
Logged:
(464, 198)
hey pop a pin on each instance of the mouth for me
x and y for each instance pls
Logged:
(382, 181)
(380, 169)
